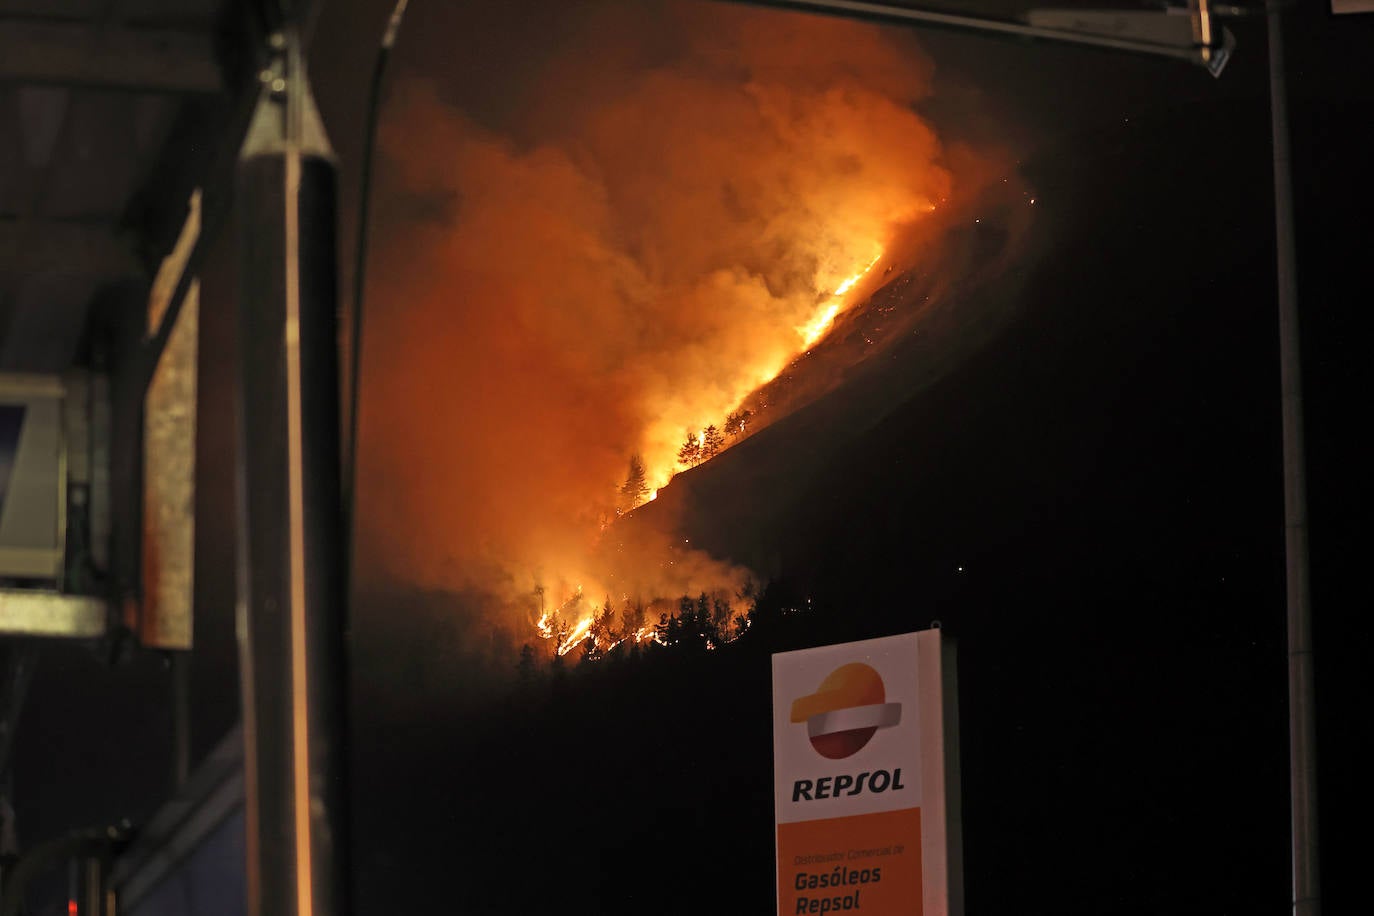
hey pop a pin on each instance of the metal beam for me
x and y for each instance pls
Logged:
(1062, 29)
(32, 246)
(48, 614)
(212, 795)
(136, 59)
(1302, 719)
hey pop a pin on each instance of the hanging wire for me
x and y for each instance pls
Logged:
(374, 98)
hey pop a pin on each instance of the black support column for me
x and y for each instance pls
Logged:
(291, 616)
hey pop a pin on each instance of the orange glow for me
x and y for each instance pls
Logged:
(849, 282)
(580, 631)
(810, 333)
(569, 285)
(816, 328)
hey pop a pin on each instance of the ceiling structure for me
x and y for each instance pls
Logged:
(112, 113)
(109, 112)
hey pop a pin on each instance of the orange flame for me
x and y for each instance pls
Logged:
(615, 276)
(811, 333)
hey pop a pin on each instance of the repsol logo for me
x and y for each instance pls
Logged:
(846, 785)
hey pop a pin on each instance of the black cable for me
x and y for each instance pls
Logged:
(374, 99)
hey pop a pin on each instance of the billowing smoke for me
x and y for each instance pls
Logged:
(622, 250)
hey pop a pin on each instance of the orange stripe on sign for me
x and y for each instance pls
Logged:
(805, 707)
(867, 864)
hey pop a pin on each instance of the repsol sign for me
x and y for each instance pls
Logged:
(845, 784)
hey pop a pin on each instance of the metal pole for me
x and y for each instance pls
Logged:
(1212, 57)
(291, 596)
(1302, 744)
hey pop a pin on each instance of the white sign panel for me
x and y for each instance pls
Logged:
(860, 761)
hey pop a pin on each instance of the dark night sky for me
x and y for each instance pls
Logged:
(1106, 469)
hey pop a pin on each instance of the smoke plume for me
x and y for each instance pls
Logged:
(603, 245)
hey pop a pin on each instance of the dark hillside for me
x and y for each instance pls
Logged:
(1089, 502)
(1091, 506)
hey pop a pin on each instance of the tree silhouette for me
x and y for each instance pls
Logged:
(559, 627)
(632, 617)
(636, 487)
(712, 442)
(741, 624)
(737, 422)
(526, 668)
(692, 623)
(772, 604)
(604, 631)
(690, 453)
(720, 621)
(667, 630)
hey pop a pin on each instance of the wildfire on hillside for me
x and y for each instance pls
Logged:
(627, 250)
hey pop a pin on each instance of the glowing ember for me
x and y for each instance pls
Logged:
(848, 284)
(817, 327)
(703, 444)
(810, 334)
(580, 631)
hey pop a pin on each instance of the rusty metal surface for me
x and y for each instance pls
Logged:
(169, 460)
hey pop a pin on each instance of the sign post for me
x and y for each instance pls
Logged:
(865, 766)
